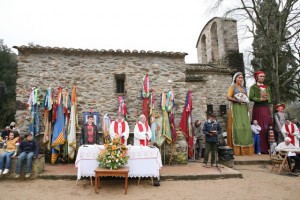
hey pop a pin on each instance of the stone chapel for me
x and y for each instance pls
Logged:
(101, 76)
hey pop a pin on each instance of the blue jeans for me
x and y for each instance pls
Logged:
(256, 139)
(6, 157)
(24, 156)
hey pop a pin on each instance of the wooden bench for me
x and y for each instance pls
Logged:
(38, 166)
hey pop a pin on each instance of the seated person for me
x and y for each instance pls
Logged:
(142, 132)
(89, 132)
(28, 150)
(11, 150)
(120, 128)
(291, 155)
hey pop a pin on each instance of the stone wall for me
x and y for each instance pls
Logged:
(209, 86)
(94, 74)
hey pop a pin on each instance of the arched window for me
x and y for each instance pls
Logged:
(203, 49)
(214, 42)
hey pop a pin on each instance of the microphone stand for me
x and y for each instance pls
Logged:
(217, 156)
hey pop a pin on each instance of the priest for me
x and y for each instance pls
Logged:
(119, 128)
(142, 132)
(290, 130)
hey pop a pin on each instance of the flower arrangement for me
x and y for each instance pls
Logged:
(114, 155)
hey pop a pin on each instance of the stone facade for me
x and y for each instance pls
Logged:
(96, 73)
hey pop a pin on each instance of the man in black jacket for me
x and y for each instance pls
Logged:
(28, 150)
(211, 129)
(89, 132)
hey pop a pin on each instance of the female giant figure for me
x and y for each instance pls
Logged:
(239, 134)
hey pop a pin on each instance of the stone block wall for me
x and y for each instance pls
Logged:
(209, 87)
(38, 166)
(95, 72)
(94, 76)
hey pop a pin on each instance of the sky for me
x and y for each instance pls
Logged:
(157, 25)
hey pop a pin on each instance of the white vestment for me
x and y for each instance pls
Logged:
(141, 135)
(296, 133)
(125, 134)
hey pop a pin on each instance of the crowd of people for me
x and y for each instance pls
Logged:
(245, 138)
(249, 136)
(24, 148)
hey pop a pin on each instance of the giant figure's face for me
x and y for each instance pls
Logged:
(261, 78)
(239, 79)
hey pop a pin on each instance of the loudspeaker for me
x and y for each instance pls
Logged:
(209, 108)
(223, 110)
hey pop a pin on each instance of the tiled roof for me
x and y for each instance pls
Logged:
(72, 51)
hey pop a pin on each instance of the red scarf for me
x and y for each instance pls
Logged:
(262, 86)
(289, 132)
(117, 130)
(141, 129)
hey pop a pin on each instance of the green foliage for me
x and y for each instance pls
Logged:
(275, 27)
(8, 76)
(272, 50)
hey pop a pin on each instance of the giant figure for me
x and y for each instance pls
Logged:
(239, 134)
(260, 94)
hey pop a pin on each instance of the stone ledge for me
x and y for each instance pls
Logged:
(162, 177)
(38, 166)
(252, 162)
(201, 177)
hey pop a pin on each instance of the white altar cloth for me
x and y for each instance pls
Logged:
(142, 162)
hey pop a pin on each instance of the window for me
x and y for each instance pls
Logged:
(120, 83)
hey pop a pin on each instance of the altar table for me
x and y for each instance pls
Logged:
(142, 162)
(99, 171)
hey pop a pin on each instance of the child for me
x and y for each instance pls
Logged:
(272, 140)
(89, 132)
(11, 150)
(28, 150)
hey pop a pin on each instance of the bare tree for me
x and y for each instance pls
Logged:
(287, 31)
